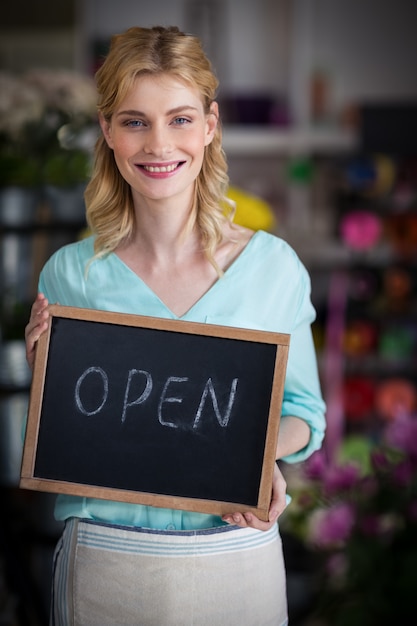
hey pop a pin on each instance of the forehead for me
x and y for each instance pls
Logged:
(155, 90)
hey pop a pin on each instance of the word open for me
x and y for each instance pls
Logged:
(173, 392)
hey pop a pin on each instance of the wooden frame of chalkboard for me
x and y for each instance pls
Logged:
(160, 412)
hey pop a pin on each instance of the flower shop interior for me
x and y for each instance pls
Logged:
(318, 102)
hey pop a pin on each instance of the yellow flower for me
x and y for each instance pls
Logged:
(251, 211)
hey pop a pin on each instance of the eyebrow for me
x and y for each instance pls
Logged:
(180, 109)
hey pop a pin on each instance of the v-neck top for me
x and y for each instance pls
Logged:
(265, 288)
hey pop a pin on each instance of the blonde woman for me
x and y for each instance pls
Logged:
(163, 245)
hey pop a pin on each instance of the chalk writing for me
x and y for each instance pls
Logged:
(144, 395)
(88, 372)
(223, 421)
(165, 398)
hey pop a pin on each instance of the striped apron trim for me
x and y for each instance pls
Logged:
(173, 543)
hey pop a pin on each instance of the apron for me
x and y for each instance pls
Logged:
(108, 575)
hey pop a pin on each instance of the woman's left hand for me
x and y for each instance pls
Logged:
(278, 504)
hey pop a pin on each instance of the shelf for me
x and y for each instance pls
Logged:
(47, 227)
(270, 141)
(331, 254)
(377, 367)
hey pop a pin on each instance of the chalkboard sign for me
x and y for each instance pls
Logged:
(152, 411)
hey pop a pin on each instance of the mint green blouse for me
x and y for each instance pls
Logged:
(266, 288)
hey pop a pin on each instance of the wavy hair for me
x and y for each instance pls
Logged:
(153, 51)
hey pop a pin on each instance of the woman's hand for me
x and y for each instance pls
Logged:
(37, 324)
(278, 504)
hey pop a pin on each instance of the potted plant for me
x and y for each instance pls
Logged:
(21, 109)
(69, 133)
(358, 516)
(65, 175)
(48, 127)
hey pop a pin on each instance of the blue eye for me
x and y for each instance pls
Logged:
(134, 123)
(180, 121)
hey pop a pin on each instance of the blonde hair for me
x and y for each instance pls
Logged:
(156, 50)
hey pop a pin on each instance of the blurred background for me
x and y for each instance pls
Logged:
(319, 109)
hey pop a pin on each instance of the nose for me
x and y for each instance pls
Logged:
(158, 141)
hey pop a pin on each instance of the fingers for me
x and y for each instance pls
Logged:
(38, 319)
(279, 493)
(37, 324)
(249, 520)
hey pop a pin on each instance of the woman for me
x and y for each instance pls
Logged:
(163, 245)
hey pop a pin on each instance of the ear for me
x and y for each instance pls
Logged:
(106, 130)
(211, 123)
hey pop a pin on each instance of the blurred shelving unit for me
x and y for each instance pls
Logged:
(254, 141)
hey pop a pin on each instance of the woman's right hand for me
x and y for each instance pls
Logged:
(37, 324)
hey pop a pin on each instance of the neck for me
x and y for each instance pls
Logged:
(163, 231)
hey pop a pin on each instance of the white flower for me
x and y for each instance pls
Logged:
(70, 92)
(21, 104)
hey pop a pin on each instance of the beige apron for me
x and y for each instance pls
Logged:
(111, 575)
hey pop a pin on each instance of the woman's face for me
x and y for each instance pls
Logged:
(158, 134)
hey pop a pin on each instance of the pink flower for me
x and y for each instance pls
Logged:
(380, 460)
(332, 527)
(402, 434)
(315, 466)
(341, 478)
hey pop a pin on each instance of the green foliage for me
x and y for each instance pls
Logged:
(66, 168)
(19, 171)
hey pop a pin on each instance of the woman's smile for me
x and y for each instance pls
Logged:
(160, 170)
